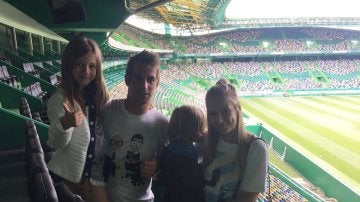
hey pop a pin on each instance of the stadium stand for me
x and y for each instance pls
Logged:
(258, 61)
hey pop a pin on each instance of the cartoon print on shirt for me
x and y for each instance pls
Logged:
(225, 194)
(133, 161)
(215, 176)
(110, 165)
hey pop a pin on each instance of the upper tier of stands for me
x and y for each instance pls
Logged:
(187, 83)
(248, 41)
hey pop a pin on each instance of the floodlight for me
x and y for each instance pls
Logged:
(223, 44)
(265, 44)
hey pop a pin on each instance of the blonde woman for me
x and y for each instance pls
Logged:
(236, 162)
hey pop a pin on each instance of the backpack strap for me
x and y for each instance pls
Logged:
(244, 152)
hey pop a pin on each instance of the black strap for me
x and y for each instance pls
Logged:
(253, 138)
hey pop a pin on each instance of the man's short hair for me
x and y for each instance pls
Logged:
(143, 58)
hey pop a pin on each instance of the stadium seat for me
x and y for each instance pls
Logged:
(44, 190)
(55, 79)
(7, 78)
(35, 90)
(29, 68)
(36, 165)
(64, 194)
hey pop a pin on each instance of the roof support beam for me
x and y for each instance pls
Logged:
(154, 4)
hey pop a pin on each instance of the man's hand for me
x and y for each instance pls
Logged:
(148, 167)
(71, 119)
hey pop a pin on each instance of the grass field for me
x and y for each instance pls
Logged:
(326, 126)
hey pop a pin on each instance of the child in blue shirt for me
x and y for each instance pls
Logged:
(180, 162)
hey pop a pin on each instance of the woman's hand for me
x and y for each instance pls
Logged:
(71, 119)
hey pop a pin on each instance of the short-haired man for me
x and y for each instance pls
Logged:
(135, 132)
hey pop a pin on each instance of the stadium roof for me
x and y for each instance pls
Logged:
(188, 15)
(200, 15)
(182, 14)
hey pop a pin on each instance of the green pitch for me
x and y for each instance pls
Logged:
(326, 126)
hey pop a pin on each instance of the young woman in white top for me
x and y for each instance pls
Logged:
(73, 112)
(236, 161)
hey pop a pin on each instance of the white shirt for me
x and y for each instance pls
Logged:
(131, 139)
(254, 175)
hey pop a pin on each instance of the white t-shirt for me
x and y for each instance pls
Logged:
(130, 140)
(227, 172)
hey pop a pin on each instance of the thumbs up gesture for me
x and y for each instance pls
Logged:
(70, 118)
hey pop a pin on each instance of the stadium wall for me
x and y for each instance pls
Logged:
(310, 170)
(258, 130)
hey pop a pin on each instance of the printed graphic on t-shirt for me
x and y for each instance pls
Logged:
(222, 174)
(110, 164)
(225, 194)
(133, 161)
(215, 176)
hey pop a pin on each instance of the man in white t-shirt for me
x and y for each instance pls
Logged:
(134, 132)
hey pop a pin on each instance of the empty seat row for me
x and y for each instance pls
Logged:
(55, 79)
(35, 90)
(41, 186)
(7, 60)
(7, 78)
(29, 68)
(26, 111)
(40, 64)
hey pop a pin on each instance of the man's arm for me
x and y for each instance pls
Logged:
(149, 167)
